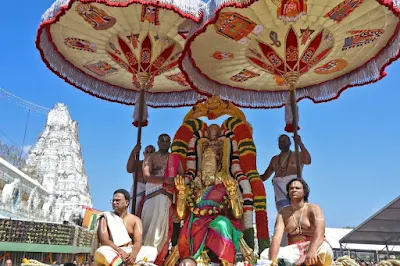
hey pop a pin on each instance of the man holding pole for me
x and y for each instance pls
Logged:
(159, 171)
(130, 168)
(285, 168)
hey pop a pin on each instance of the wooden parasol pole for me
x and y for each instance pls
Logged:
(292, 78)
(143, 78)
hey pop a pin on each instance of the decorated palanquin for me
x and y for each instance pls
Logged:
(234, 147)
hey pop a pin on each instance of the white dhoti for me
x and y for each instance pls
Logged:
(295, 255)
(155, 217)
(141, 190)
(280, 183)
(107, 256)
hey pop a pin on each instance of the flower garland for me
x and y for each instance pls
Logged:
(242, 133)
(243, 168)
(206, 209)
(231, 158)
(185, 137)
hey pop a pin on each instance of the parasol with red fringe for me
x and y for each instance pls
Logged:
(273, 53)
(122, 51)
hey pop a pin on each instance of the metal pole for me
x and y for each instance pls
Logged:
(341, 249)
(387, 251)
(143, 78)
(295, 125)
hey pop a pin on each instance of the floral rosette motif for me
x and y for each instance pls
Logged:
(106, 47)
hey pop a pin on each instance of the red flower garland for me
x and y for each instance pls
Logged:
(242, 133)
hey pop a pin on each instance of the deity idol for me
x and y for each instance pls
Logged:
(211, 206)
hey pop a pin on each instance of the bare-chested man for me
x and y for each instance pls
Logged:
(141, 183)
(285, 168)
(160, 169)
(304, 224)
(120, 235)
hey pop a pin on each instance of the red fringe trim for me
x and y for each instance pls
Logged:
(63, 9)
(290, 128)
(388, 3)
(145, 123)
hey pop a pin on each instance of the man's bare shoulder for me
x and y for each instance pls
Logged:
(312, 207)
(274, 158)
(148, 158)
(133, 218)
(285, 211)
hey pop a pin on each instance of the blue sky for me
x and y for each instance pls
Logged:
(353, 141)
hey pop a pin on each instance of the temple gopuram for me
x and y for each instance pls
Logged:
(42, 206)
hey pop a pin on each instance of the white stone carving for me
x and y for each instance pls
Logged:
(10, 195)
(57, 184)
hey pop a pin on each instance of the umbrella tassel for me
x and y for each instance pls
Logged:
(289, 118)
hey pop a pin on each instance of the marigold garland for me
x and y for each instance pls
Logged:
(243, 164)
(182, 138)
(206, 210)
(243, 135)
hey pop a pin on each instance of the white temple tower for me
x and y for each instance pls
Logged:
(56, 162)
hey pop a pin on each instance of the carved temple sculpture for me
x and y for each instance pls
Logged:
(221, 184)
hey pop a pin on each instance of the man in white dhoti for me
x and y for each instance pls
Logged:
(285, 168)
(141, 183)
(159, 171)
(304, 224)
(119, 235)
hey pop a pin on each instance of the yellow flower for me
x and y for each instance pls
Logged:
(203, 212)
(210, 212)
(196, 211)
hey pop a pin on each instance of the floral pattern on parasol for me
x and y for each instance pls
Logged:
(102, 46)
(331, 45)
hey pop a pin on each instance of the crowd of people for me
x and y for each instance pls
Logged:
(125, 238)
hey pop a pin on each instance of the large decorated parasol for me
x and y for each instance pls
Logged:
(118, 50)
(266, 52)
